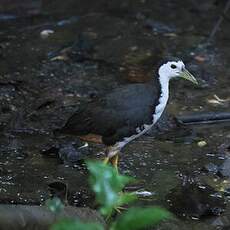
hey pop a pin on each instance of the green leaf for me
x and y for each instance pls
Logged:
(138, 218)
(76, 225)
(126, 198)
(107, 185)
(55, 205)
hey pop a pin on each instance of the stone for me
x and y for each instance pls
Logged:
(225, 168)
(195, 200)
(17, 217)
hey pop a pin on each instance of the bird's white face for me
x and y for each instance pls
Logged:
(173, 69)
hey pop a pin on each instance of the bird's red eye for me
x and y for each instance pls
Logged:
(173, 66)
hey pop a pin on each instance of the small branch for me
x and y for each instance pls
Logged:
(219, 22)
(204, 118)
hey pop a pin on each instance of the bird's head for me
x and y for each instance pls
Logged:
(176, 69)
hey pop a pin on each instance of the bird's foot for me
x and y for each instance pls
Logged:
(120, 209)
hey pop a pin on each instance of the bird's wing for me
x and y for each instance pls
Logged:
(117, 115)
(131, 107)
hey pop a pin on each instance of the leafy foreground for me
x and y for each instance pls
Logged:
(76, 225)
(107, 185)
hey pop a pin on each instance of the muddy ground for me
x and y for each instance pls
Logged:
(93, 48)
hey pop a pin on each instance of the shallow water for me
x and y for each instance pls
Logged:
(102, 47)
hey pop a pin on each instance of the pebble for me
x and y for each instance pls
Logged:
(46, 33)
(202, 143)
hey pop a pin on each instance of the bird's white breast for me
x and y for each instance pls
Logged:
(162, 101)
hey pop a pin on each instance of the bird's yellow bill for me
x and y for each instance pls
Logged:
(188, 76)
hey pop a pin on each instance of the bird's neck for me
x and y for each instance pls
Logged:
(163, 99)
(164, 82)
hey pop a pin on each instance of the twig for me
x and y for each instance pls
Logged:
(219, 22)
(204, 118)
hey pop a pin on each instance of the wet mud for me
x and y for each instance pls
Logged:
(96, 47)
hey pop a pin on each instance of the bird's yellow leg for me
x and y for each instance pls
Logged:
(106, 160)
(114, 161)
(112, 157)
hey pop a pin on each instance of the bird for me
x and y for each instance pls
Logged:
(127, 112)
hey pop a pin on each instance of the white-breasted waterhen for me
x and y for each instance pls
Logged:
(127, 112)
